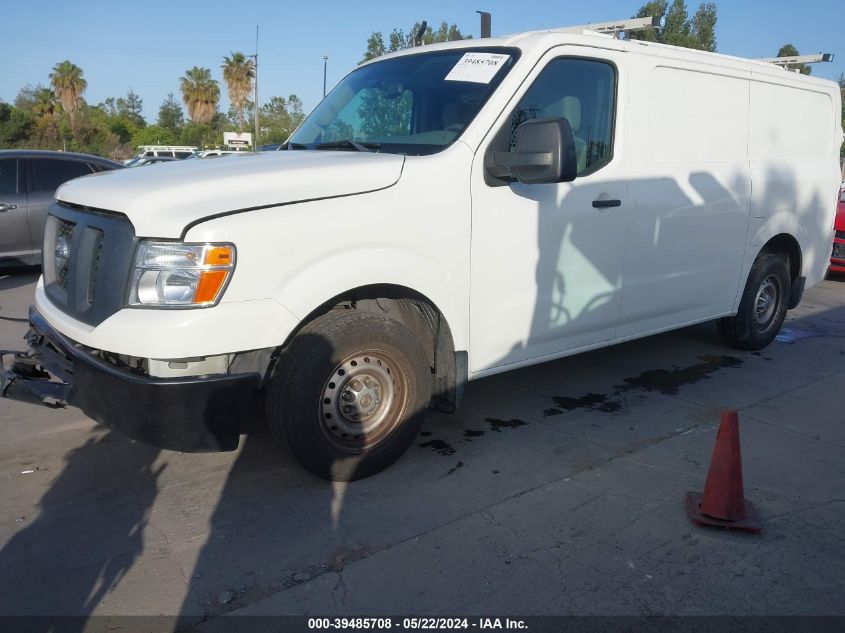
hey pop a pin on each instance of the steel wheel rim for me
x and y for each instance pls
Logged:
(363, 400)
(766, 303)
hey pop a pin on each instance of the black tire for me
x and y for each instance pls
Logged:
(763, 306)
(349, 394)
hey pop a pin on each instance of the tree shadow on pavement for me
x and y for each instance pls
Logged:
(88, 534)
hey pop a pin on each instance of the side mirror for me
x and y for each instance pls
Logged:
(545, 153)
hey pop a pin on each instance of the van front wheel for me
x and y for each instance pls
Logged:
(349, 394)
(762, 308)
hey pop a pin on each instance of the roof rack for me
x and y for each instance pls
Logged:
(618, 28)
(167, 147)
(795, 60)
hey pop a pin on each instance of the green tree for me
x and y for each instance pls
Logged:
(16, 125)
(703, 29)
(280, 117)
(44, 105)
(92, 133)
(680, 30)
(788, 50)
(68, 84)
(375, 47)
(109, 106)
(155, 135)
(232, 120)
(122, 127)
(131, 108)
(200, 94)
(170, 114)
(239, 73)
(399, 40)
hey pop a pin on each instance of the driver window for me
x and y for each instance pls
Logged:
(582, 91)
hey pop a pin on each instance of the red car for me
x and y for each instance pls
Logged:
(837, 259)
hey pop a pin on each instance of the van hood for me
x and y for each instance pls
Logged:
(162, 199)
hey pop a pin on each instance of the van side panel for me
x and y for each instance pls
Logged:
(691, 189)
(793, 153)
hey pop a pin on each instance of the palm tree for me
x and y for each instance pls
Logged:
(68, 84)
(45, 105)
(200, 93)
(238, 71)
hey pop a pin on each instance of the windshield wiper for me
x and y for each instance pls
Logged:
(349, 143)
(294, 146)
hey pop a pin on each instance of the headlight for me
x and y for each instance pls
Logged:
(181, 275)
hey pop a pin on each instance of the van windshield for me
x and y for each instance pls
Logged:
(414, 104)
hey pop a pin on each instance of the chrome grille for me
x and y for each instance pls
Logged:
(61, 251)
(87, 260)
(95, 268)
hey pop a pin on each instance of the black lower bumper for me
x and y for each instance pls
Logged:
(195, 414)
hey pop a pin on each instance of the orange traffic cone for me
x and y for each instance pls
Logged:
(723, 503)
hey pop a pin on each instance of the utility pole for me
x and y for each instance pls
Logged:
(325, 66)
(255, 94)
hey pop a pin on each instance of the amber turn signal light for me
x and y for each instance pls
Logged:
(219, 256)
(209, 285)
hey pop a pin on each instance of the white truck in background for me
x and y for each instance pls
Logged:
(446, 213)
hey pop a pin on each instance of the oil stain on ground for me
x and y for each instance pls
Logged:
(497, 425)
(665, 381)
(439, 446)
(595, 401)
(669, 381)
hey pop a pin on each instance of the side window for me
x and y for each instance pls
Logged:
(8, 175)
(49, 173)
(183, 154)
(582, 91)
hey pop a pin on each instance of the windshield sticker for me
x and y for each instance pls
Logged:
(478, 68)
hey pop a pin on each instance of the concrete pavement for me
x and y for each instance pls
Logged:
(556, 489)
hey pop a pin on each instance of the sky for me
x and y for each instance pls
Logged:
(148, 45)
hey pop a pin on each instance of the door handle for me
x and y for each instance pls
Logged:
(7, 207)
(606, 204)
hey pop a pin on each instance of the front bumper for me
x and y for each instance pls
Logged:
(195, 414)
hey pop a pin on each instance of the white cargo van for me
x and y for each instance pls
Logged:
(446, 213)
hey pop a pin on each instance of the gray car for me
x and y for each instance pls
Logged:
(28, 181)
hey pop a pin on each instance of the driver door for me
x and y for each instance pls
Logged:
(546, 259)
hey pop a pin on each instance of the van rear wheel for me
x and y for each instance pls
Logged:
(349, 394)
(762, 308)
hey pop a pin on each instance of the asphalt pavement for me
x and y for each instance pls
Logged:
(555, 490)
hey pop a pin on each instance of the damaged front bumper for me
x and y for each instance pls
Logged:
(190, 414)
